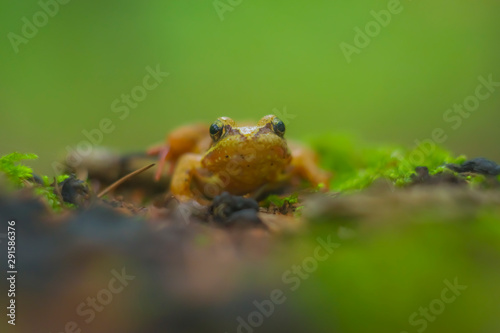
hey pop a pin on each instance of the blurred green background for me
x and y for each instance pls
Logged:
(263, 56)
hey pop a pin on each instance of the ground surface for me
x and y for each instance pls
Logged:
(423, 256)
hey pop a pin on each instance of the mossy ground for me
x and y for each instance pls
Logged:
(357, 165)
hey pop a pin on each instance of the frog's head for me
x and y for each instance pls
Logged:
(260, 148)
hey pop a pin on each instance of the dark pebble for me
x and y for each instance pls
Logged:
(73, 190)
(479, 165)
(231, 210)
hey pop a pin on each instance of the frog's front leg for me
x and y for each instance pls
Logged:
(305, 165)
(182, 178)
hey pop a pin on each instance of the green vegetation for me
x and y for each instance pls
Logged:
(17, 173)
(279, 201)
(21, 175)
(357, 165)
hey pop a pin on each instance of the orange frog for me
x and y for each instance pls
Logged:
(245, 160)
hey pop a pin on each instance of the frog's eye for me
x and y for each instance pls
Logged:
(216, 130)
(278, 126)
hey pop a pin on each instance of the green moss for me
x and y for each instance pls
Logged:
(21, 176)
(356, 165)
(48, 194)
(14, 171)
(48, 181)
(279, 201)
(298, 211)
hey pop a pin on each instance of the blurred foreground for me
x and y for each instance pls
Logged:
(383, 260)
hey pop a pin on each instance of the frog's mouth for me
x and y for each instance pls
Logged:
(265, 154)
(248, 154)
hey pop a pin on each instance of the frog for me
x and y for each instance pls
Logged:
(243, 160)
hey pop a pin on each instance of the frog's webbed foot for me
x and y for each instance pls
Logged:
(162, 153)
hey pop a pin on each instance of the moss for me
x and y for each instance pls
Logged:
(21, 176)
(17, 173)
(357, 165)
(48, 194)
(279, 201)
(298, 211)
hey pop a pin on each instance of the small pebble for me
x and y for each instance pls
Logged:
(479, 165)
(231, 210)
